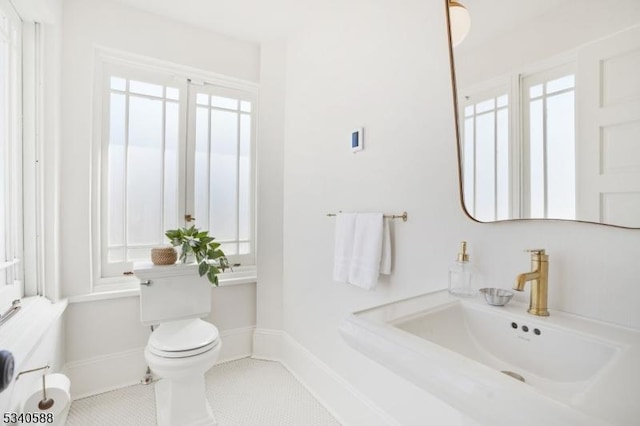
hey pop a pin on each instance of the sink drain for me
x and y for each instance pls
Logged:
(514, 375)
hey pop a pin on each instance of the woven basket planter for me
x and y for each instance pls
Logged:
(164, 255)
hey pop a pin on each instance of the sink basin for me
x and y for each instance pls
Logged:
(576, 371)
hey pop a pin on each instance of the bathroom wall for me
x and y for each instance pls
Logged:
(105, 337)
(384, 67)
(520, 47)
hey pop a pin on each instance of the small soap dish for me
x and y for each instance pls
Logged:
(496, 296)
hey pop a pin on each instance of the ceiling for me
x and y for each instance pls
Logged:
(252, 20)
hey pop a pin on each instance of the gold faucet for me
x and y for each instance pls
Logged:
(539, 277)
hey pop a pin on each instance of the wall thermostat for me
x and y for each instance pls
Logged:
(357, 140)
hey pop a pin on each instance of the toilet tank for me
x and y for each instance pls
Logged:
(173, 292)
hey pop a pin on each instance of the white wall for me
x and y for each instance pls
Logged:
(101, 329)
(572, 24)
(270, 156)
(385, 67)
(104, 23)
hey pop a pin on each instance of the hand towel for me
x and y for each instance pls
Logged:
(385, 261)
(367, 250)
(343, 246)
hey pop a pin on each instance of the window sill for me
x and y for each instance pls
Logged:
(130, 286)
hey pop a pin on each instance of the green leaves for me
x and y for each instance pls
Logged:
(211, 260)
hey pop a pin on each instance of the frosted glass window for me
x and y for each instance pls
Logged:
(118, 83)
(202, 99)
(535, 91)
(173, 150)
(562, 83)
(561, 164)
(486, 157)
(224, 162)
(223, 102)
(551, 149)
(536, 160)
(173, 93)
(145, 88)
(141, 180)
(245, 178)
(11, 190)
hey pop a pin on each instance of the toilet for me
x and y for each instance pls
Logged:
(182, 346)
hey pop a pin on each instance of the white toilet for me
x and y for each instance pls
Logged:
(183, 347)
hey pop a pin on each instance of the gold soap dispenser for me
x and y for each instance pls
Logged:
(462, 274)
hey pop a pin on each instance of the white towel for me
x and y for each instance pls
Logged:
(343, 246)
(385, 261)
(362, 249)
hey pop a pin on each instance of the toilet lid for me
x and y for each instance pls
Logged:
(183, 338)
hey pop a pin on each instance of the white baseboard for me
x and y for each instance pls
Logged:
(267, 344)
(345, 402)
(117, 370)
(105, 373)
(236, 344)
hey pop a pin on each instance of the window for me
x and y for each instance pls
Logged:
(516, 138)
(486, 157)
(173, 153)
(10, 156)
(549, 141)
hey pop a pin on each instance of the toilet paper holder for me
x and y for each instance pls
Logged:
(45, 403)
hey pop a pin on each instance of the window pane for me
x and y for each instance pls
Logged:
(502, 165)
(503, 101)
(245, 106)
(221, 102)
(202, 99)
(245, 248)
(229, 249)
(201, 172)
(485, 106)
(485, 167)
(536, 159)
(171, 166)
(244, 184)
(144, 171)
(561, 169)
(535, 91)
(468, 171)
(224, 169)
(468, 111)
(563, 83)
(172, 93)
(145, 88)
(116, 170)
(118, 83)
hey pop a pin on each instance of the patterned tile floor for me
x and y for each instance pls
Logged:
(246, 392)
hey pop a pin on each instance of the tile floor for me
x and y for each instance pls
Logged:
(246, 392)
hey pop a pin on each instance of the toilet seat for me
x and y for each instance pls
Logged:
(184, 338)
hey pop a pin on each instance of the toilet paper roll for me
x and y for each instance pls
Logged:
(57, 389)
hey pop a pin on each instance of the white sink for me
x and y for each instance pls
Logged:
(577, 371)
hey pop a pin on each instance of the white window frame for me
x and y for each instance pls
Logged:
(526, 82)
(180, 76)
(493, 90)
(12, 263)
(514, 83)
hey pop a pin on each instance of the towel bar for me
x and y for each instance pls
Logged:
(403, 216)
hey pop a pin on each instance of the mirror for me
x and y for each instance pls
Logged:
(548, 110)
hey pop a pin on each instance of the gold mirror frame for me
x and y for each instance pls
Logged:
(456, 119)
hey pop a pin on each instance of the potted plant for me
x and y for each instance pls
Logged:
(210, 259)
